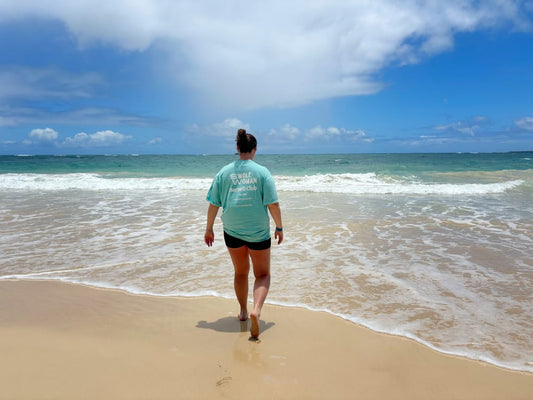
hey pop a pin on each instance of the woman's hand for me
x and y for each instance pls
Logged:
(275, 212)
(278, 235)
(209, 237)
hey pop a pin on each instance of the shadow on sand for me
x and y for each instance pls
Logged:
(232, 324)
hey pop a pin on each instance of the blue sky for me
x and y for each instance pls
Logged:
(357, 76)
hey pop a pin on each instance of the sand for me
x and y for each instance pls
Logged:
(65, 341)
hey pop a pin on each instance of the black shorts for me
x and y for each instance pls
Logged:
(234, 243)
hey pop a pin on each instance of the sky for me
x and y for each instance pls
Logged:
(304, 76)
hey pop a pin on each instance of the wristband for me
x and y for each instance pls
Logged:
(279, 229)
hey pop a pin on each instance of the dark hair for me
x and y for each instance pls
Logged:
(246, 142)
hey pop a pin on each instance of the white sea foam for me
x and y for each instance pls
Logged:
(370, 183)
(359, 184)
(96, 182)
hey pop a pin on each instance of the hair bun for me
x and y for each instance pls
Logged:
(246, 142)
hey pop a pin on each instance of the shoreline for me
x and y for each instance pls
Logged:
(65, 340)
(484, 360)
(405, 336)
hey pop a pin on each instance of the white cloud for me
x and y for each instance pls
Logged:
(525, 123)
(316, 132)
(360, 134)
(219, 137)
(288, 133)
(285, 135)
(226, 128)
(335, 133)
(465, 127)
(426, 140)
(278, 53)
(98, 139)
(46, 135)
(155, 140)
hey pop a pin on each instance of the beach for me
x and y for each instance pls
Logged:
(65, 341)
(432, 248)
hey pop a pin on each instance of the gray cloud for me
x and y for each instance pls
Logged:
(14, 116)
(46, 83)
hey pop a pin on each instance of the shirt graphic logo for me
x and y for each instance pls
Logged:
(243, 182)
(245, 178)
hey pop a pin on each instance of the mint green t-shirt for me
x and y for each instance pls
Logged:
(244, 189)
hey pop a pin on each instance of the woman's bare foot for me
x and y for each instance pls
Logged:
(254, 329)
(243, 315)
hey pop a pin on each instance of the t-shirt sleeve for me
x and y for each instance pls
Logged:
(213, 195)
(270, 194)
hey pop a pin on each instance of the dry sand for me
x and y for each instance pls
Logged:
(64, 341)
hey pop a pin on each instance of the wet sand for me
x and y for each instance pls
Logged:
(66, 341)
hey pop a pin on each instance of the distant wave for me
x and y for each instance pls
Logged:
(359, 184)
(96, 182)
(372, 184)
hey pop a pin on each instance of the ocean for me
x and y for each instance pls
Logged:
(433, 247)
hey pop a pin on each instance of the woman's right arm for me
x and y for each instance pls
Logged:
(275, 211)
(209, 236)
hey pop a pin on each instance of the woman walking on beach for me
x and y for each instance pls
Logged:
(245, 190)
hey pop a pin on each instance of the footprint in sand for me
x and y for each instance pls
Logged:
(224, 381)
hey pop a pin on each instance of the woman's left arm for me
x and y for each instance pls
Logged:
(209, 236)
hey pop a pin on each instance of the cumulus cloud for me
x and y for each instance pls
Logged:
(335, 133)
(226, 128)
(525, 123)
(220, 136)
(49, 136)
(427, 140)
(465, 127)
(318, 134)
(459, 127)
(287, 133)
(98, 139)
(46, 135)
(279, 53)
(155, 140)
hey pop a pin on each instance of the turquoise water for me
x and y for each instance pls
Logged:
(434, 247)
(206, 166)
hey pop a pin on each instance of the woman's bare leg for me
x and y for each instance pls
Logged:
(261, 266)
(241, 265)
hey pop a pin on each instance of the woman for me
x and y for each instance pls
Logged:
(245, 190)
